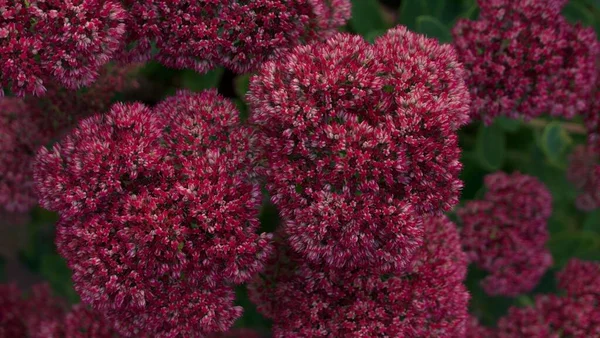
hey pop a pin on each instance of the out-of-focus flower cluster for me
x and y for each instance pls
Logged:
(575, 314)
(237, 34)
(360, 141)
(29, 123)
(584, 173)
(505, 232)
(159, 209)
(38, 314)
(305, 299)
(68, 41)
(523, 59)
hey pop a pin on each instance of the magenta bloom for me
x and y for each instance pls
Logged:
(28, 316)
(67, 41)
(592, 117)
(236, 34)
(505, 233)
(584, 174)
(359, 140)
(311, 300)
(580, 278)
(575, 315)
(553, 317)
(524, 59)
(159, 210)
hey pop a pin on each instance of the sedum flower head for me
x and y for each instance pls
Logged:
(65, 41)
(580, 278)
(159, 209)
(312, 300)
(360, 140)
(523, 59)
(505, 233)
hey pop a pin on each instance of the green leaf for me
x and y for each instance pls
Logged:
(197, 82)
(567, 245)
(251, 318)
(472, 175)
(592, 222)
(554, 142)
(433, 28)
(509, 125)
(453, 10)
(491, 147)
(410, 11)
(366, 16)
(372, 35)
(575, 12)
(55, 271)
(242, 83)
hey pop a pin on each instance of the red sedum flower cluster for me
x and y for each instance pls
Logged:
(305, 299)
(575, 315)
(237, 34)
(505, 233)
(360, 141)
(159, 209)
(29, 123)
(524, 59)
(584, 173)
(67, 41)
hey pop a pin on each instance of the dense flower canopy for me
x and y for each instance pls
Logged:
(524, 59)
(505, 233)
(159, 210)
(65, 41)
(309, 300)
(360, 141)
(237, 34)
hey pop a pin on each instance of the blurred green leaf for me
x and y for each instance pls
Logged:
(489, 309)
(576, 11)
(491, 147)
(449, 11)
(251, 318)
(410, 11)
(366, 16)
(509, 125)
(472, 175)
(372, 35)
(433, 28)
(199, 82)
(269, 217)
(592, 222)
(554, 142)
(567, 245)
(242, 84)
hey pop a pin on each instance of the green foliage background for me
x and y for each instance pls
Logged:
(537, 149)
